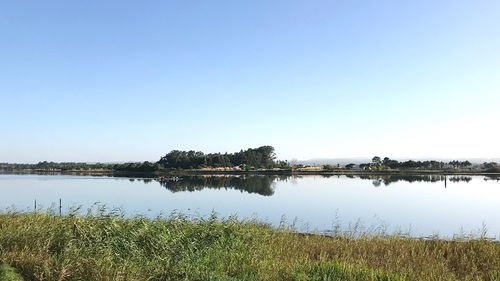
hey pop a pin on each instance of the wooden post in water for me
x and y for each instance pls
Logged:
(35, 205)
(60, 207)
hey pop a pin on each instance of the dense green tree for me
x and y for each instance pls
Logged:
(350, 166)
(262, 157)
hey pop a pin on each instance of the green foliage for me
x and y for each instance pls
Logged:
(253, 158)
(350, 166)
(262, 157)
(328, 167)
(491, 167)
(137, 167)
(376, 160)
(104, 245)
(8, 273)
(53, 166)
(337, 271)
(377, 163)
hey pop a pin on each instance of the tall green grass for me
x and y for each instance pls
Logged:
(104, 245)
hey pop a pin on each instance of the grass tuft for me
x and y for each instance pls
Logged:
(8, 273)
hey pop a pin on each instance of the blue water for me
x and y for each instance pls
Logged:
(422, 205)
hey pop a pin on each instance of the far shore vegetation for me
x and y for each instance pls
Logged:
(254, 160)
(105, 245)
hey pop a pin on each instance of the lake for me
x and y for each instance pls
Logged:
(422, 205)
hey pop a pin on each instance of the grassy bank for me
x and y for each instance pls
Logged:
(106, 246)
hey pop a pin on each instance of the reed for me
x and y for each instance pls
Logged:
(106, 245)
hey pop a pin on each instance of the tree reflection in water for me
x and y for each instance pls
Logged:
(265, 184)
(389, 179)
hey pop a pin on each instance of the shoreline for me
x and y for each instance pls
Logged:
(272, 172)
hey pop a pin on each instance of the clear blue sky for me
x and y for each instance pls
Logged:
(131, 80)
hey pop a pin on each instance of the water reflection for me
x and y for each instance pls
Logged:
(389, 179)
(263, 185)
(378, 180)
(460, 179)
(417, 202)
(492, 178)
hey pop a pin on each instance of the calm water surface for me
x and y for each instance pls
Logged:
(425, 205)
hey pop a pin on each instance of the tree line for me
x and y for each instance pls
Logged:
(63, 166)
(262, 157)
(379, 163)
(253, 158)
